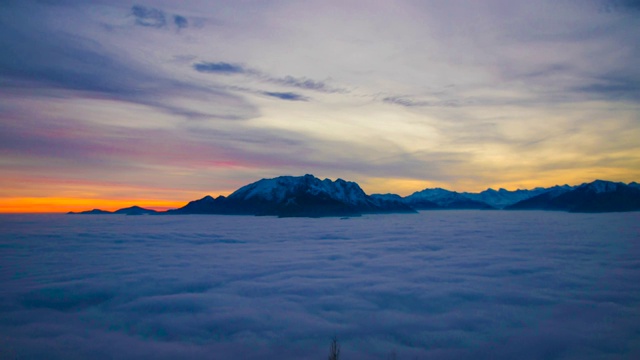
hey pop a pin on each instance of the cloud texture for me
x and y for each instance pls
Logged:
(436, 285)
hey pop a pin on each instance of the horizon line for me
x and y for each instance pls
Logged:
(57, 205)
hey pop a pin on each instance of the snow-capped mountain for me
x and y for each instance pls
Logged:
(601, 186)
(386, 197)
(502, 197)
(295, 196)
(311, 197)
(597, 196)
(444, 199)
(283, 188)
(389, 201)
(439, 198)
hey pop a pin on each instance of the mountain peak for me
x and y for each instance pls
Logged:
(444, 199)
(600, 186)
(296, 196)
(596, 196)
(283, 187)
(134, 210)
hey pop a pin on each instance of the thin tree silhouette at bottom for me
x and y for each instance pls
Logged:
(334, 350)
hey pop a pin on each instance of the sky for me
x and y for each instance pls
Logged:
(113, 103)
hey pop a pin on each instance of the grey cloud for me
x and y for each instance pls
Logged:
(305, 83)
(180, 21)
(99, 150)
(402, 101)
(75, 62)
(408, 102)
(558, 82)
(545, 71)
(65, 61)
(149, 16)
(297, 152)
(630, 6)
(288, 81)
(220, 68)
(286, 96)
(613, 88)
(152, 17)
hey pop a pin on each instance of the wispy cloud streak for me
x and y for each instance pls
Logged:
(220, 68)
(286, 96)
(287, 81)
(408, 102)
(150, 17)
(306, 84)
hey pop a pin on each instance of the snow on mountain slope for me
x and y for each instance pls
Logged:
(295, 196)
(436, 195)
(601, 186)
(386, 197)
(502, 197)
(282, 188)
(498, 199)
(597, 196)
(444, 199)
(309, 196)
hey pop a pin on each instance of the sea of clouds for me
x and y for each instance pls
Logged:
(433, 285)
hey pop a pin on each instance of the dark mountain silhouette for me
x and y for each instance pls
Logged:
(135, 210)
(490, 199)
(430, 199)
(538, 202)
(90, 212)
(597, 196)
(308, 196)
(501, 198)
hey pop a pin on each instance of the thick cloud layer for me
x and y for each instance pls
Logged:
(436, 285)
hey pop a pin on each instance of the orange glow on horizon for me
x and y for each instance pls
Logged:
(61, 198)
(64, 205)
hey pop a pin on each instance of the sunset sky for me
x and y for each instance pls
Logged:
(114, 103)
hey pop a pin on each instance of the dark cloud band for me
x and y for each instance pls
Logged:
(286, 96)
(288, 81)
(219, 68)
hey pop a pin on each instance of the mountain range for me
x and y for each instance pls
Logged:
(308, 196)
(597, 196)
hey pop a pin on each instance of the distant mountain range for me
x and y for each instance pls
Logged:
(597, 196)
(308, 196)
